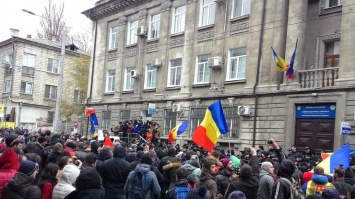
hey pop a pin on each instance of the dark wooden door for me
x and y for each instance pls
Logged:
(318, 134)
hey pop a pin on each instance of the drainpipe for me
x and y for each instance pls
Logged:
(93, 64)
(256, 97)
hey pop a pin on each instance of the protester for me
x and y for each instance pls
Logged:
(222, 179)
(318, 183)
(206, 178)
(182, 186)
(105, 154)
(89, 162)
(338, 181)
(67, 181)
(266, 180)
(199, 193)
(9, 166)
(47, 180)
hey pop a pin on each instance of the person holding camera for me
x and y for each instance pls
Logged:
(293, 152)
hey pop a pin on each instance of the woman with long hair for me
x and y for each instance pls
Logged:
(47, 180)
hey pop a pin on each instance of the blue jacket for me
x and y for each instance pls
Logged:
(151, 181)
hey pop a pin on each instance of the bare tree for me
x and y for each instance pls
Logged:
(81, 40)
(52, 22)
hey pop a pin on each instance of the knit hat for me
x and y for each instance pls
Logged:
(28, 167)
(145, 159)
(10, 138)
(330, 193)
(41, 140)
(314, 197)
(54, 139)
(235, 161)
(71, 145)
(139, 154)
(88, 179)
(237, 194)
(225, 162)
(287, 168)
(246, 171)
(207, 164)
(266, 166)
(199, 193)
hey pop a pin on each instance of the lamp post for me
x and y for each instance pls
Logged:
(58, 100)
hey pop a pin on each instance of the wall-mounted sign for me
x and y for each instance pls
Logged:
(345, 128)
(151, 108)
(315, 111)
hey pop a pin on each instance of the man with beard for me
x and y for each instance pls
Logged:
(222, 178)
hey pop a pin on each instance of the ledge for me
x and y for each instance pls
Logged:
(131, 45)
(334, 9)
(201, 85)
(127, 92)
(48, 99)
(205, 27)
(169, 88)
(177, 34)
(109, 93)
(239, 18)
(238, 81)
(153, 40)
(149, 90)
(51, 73)
(111, 50)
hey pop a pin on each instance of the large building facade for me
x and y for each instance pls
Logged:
(182, 55)
(29, 73)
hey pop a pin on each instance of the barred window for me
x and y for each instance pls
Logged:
(169, 120)
(106, 117)
(197, 115)
(233, 122)
(125, 115)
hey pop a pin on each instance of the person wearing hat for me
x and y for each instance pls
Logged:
(199, 193)
(40, 144)
(308, 154)
(293, 152)
(105, 154)
(8, 167)
(137, 160)
(48, 149)
(331, 193)
(237, 195)
(8, 142)
(70, 148)
(248, 181)
(266, 180)
(206, 178)
(88, 185)
(22, 184)
(318, 182)
(223, 176)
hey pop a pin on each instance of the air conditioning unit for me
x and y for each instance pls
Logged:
(141, 31)
(244, 110)
(176, 108)
(214, 62)
(134, 73)
(156, 63)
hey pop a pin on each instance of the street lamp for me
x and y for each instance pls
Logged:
(58, 100)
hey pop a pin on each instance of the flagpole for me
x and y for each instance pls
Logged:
(230, 135)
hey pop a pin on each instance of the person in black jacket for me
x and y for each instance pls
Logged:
(180, 186)
(248, 181)
(104, 154)
(114, 173)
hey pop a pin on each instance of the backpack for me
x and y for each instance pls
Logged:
(181, 192)
(138, 185)
(295, 190)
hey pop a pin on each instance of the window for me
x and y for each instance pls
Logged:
(232, 119)
(169, 121)
(333, 3)
(7, 86)
(125, 115)
(150, 76)
(50, 92)
(78, 96)
(129, 81)
(207, 13)
(196, 115)
(132, 30)
(53, 65)
(106, 118)
(113, 40)
(110, 81)
(9, 59)
(332, 54)
(179, 19)
(241, 8)
(174, 75)
(202, 70)
(26, 88)
(154, 27)
(236, 65)
(29, 60)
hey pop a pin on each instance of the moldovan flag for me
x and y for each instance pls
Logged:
(281, 64)
(178, 130)
(206, 135)
(341, 156)
(108, 142)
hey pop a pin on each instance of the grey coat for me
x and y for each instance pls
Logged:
(265, 186)
(152, 181)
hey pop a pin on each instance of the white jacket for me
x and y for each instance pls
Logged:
(65, 186)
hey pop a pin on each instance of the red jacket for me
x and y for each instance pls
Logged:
(47, 190)
(9, 165)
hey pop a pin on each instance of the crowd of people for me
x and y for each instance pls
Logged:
(57, 166)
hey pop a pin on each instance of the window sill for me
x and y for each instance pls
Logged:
(131, 45)
(197, 85)
(239, 18)
(177, 34)
(149, 90)
(48, 99)
(127, 92)
(205, 27)
(236, 81)
(112, 49)
(172, 88)
(330, 10)
(152, 40)
(109, 93)
(51, 73)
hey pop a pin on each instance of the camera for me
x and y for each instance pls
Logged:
(246, 149)
(269, 141)
(237, 170)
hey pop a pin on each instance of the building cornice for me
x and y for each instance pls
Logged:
(104, 8)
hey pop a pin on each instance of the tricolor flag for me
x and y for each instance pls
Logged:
(178, 130)
(93, 119)
(206, 135)
(341, 156)
(289, 72)
(281, 64)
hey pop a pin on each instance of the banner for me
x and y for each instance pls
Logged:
(8, 125)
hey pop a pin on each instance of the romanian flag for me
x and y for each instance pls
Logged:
(281, 64)
(108, 142)
(206, 135)
(178, 130)
(341, 156)
(289, 72)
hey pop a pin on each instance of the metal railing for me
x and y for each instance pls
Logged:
(318, 78)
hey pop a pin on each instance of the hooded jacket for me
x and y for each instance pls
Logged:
(104, 154)
(171, 194)
(65, 186)
(114, 172)
(171, 169)
(87, 194)
(8, 167)
(265, 185)
(21, 186)
(222, 181)
(318, 180)
(206, 179)
(151, 181)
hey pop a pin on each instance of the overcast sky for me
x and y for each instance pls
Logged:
(12, 16)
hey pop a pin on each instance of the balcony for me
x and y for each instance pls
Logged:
(318, 78)
(28, 71)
